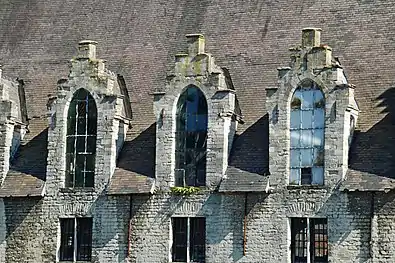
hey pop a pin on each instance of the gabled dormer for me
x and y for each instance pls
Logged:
(312, 115)
(88, 120)
(197, 115)
(13, 121)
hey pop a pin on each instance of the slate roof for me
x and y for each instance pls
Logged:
(26, 176)
(243, 181)
(249, 38)
(135, 172)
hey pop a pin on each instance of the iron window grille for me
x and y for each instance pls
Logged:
(307, 126)
(191, 138)
(309, 240)
(81, 140)
(189, 239)
(75, 239)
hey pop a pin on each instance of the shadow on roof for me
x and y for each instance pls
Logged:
(250, 149)
(372, 153)
(31, 158)
(138, 154)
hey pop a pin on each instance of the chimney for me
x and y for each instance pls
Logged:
(311, 37)
(195, 44)
(87, 49)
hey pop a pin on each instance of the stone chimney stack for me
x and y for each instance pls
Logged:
(87, 49)
(195, 44)
(311, 37)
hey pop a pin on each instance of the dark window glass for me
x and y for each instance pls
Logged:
(316, 238)
(179, 250)
(306, 175)
(198, 239)
(67, 239)
(307, 136)
(189, 239)
(81, 140)
(299, 240)
(319, 240)
(191, 138)
(84, 239)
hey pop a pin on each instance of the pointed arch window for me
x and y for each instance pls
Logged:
(191, 138)
(81, 140)
(307, 136)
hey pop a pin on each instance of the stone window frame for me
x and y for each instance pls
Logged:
(179, 171)
(317, 152)
(73, 136)
(311, 240)
(188, 222)
(76, 233)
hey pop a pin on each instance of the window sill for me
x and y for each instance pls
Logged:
(77, 190)
(307, 186)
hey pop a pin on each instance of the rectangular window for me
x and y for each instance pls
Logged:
(75, 239)
(189, 239)
(309, 240)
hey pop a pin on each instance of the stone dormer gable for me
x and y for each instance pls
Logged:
(312, 115)
(13, 121)
(197, 114)
(88, 121)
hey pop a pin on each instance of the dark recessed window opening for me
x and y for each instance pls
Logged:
(81, 140)
(191, 138)
(309, 240)
(75, 239)
(189, 239)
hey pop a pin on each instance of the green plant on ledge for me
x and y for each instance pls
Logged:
(184, 190)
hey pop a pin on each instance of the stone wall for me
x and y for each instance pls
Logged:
(25, 230)
(267, 224)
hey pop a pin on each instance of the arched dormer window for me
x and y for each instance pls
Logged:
(307, 128)
(81, 140)
(191, 138)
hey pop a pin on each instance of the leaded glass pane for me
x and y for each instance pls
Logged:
(306, 157)
(295, 119)
(318, 175)
(89, 179)
(295, 158)
(318, 118)
(71, 125)
(318, 138)
(81, 125)
(295, 138)
(318, 97)
(306, 138)
(318, 157)
(294, 177)
(307, 118)
(307, 99)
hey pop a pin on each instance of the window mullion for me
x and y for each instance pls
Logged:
(75, 241)
(308, 240)
(75, 143)
(188, 238)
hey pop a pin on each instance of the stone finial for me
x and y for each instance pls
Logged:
(87, 49)
(195, 44)
(311, 37)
